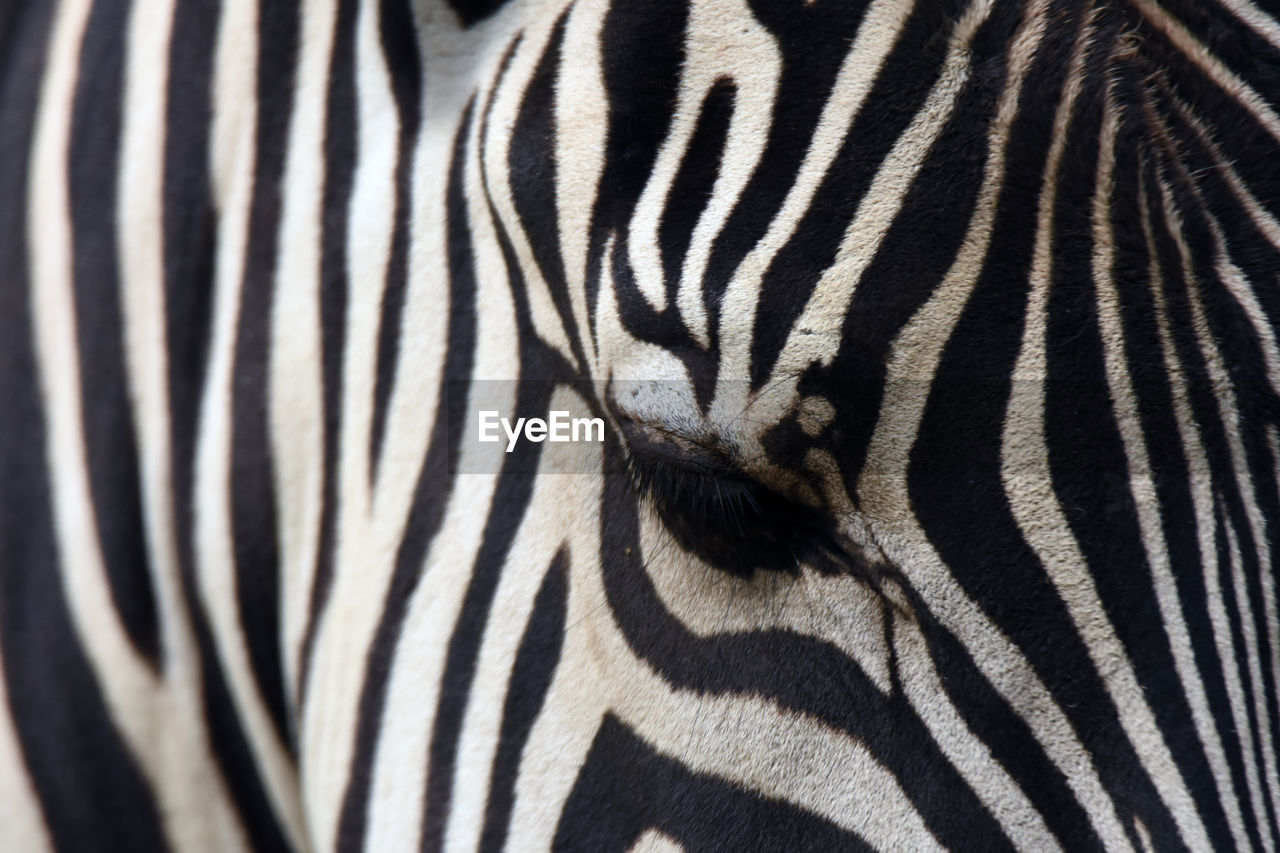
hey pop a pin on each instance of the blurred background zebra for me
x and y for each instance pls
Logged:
(937, 344)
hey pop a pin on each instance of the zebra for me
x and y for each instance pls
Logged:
(937, 348)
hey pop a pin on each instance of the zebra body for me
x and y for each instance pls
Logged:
(937, 343)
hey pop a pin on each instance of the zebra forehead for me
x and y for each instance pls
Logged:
(737, 224)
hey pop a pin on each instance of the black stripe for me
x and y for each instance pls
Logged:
(400, 49)
(693, 183)
(814, 39)
(532, 168)
(641, 51)
(253, 505)
(1134, 612)
(1249, 248)
(110, 443)
(472, 12)
(1252, 731)
(510, 501)
(531, 674)
(1256, 400)
(253, 498)
(1232, 42)
(828, 685)
(955, 473)
(1089, 471)
(626, 787)
(1213, 440)
(688, 197)
(431, 497)
(1012, 743)
(81, 771)
(1245, 143)
(892, 104)
(190, 241)
(1233, 337)
(915, 254)
(341, 150)
(511, 498)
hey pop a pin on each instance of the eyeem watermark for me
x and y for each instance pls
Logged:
(533, 425)
(559, 426)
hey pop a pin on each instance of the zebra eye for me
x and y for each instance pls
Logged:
(721, 514)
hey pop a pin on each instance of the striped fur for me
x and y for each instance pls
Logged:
(938, 347)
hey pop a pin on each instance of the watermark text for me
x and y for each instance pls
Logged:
(558, 427)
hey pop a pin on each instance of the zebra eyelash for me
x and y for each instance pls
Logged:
(733, 521)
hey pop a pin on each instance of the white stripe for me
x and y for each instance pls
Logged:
(1136, 716)
(748, 741)
(1262, 737)
(561, 737)
(140, 244)
(1144, 835)
(157, 726)
(1243, 292)
(49, 238)
(399, 772)
(231, 162)
(1200, 482)
(653, 841)
(881, 25)
(1021, 823)
(1229, 412)
(882, 485)
(1259, 21)
(1262, 218)
(748, 55)
(1220, 74)
(755, 65)
(508, 101)
(580, 152)
(369, 227)
(294, 395)
(400, 763)
(551, 512)
(841, 610)
(297, 424)
(296, 468)
(816, 334)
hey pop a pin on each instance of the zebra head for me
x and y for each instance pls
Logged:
(934, 346)
(966, 302)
